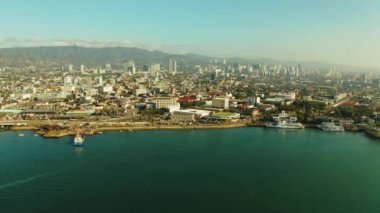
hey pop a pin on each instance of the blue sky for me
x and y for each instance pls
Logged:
(337, 31)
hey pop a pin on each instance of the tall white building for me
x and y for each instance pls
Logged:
(154, 69)
(70, 67)
(82, 68)
(131, 67)
(172, 66)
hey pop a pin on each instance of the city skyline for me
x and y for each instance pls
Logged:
(331, 32)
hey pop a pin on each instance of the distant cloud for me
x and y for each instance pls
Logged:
(37, 42)
(11, 42)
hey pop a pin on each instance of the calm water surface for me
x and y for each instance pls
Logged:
(237, 170)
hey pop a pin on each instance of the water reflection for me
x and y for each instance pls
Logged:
(78, 149)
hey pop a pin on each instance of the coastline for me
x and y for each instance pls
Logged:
(108, 128)
(100, 127)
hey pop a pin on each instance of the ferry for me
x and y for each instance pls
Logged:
(331, 127)
(286, 125)
(78, 140)
(284, 121)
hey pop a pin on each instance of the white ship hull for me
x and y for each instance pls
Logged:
(288, 126)
(78, 140)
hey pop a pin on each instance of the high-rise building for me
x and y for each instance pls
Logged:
(99, 80)
(154, 69)
(165, 102)
(82, 68)
(298, 70)
(70, 67)
(265, 69)
(130, 67)
(67, 81)
(108, 67)
(172, 66)
(86, 82)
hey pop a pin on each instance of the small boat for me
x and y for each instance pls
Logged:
(78, 140)
(35, 135)
(21, 135)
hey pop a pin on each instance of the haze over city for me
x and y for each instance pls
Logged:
(340, 32)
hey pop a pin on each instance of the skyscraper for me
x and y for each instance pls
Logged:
(298, 70)
(154, 69)
(131, 67)
(70, 67)
(82, 68)
(172, 66)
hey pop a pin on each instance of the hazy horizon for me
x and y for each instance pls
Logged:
(344, 33)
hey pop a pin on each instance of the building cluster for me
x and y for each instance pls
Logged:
(180, 93)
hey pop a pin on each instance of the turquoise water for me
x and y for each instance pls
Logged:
(236, 170)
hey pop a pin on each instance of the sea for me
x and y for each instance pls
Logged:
(230, 170)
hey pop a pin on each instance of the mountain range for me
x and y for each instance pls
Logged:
(91, 56)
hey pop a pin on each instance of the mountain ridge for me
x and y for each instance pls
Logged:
(98, 56)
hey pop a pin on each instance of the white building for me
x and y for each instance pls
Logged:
(130, 67)
(172, 66)
(106, 89)
(291, 96)
(178, 117)
(67, 81)
(139, 91)
(154, 69)
(221, 102)
(99, 80)
(82, 68)
(339, 97)
(70, 67)
(165, 102)
(68, 88)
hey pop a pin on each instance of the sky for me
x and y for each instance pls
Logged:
(332, 31)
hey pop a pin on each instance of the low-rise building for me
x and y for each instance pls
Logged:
(221, 102)
(79, 113)
(165, 102)
(179, 116)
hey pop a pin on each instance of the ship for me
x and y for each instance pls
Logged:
(284, 121)
(331, 127)
(78, 140)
